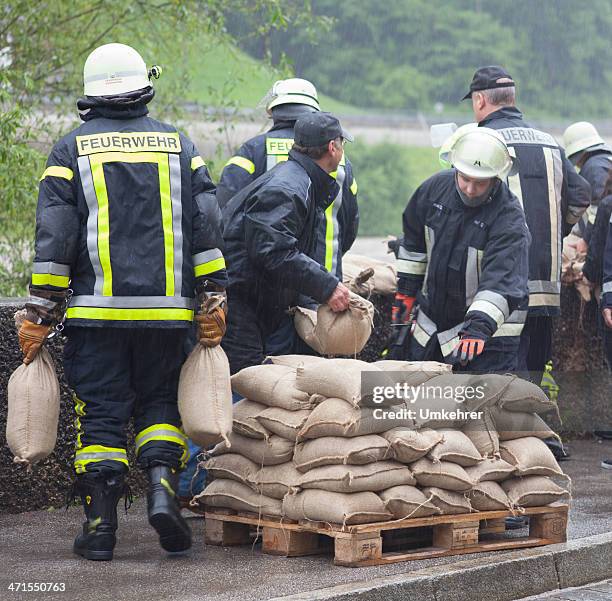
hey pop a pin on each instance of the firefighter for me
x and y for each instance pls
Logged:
(553, 197)
(606, 307)
(129, 238)
(270, 236)
(586, 149)
(462, 263)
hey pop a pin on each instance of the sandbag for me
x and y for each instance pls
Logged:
(335, 507)
(489, 496)
(245, 412)
(296, 361)
(448, 502)
(271, 385)
(205, 396)
(490, 470)
(384, 280)
(527, 397)
(407, 502)
(518, 424)
(33, 410)
(483, 435)
(442, 474)
(410, 445)
(272, 451)
(330, 450)
(231, 466)
(357, 478)
(235, 495)
(533, 491)
(455, 447)
(530, 456)
(331, 333)
(285, 424)
(275, 480)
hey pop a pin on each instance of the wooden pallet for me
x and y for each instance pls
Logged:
(387, 542)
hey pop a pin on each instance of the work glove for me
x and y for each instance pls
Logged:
(402, 307)
(467, 349)
(211, 321)
(31, 338)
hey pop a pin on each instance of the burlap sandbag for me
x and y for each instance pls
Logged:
(489, 496)
(410, 445)
(33, 410)
(483, 435)
(283, 423)
(530, 456)
(205, 396)
(231, 466)
(245, 412)
(331, 450)
(490, 470)
(455, 447)
(271, 385)
(358, 478)
(341, 333)
(526, 396)
(413, 373)
(235, 495)
(272, 451)
(275, 480)
(335, 507)
(448, 502)
(442, 474)
(533, 491)
(296, 361)
(384, 280)
(518, 424)
(407, 502)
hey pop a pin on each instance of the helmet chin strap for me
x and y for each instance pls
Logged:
(477, 201)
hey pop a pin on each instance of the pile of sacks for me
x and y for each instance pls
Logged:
(305, 445)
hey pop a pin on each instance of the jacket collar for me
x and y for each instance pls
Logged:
(325, 186)
(285, 124)
(506, 112)
(123, 106)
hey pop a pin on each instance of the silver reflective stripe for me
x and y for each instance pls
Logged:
(411, 256)
(495, 298)
(101, 456)
(132, 302)
(424, 329)
(517, 317)
(554, 176)
(539, 286)
(509, 329)
(430, 240)
(42, 302)
(340, 177)
(50, 267)
(206, 256)
(411, 267)
(527, 135)
(420, 335)
(92, 222)
(591, 214)
(449, 339)
(489, 309)
(607, 287)
(472, 275)
(514, 181)
(155, 435)
(177, 219)
(114, 74)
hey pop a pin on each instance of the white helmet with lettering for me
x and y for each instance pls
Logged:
(482, 153)
(581, 136)
(293, 91)
(114, 69)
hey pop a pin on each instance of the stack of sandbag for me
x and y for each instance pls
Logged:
(308, 445)
(366, 276)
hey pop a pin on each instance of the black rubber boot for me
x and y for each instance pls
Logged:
(164, 511)
(99, 494)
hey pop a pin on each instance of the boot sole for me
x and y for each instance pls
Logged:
(93, 555)
(172, 537)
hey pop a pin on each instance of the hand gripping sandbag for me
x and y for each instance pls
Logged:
(205, 396)
(342, 333)
(33, 410)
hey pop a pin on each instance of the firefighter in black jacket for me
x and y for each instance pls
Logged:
(552, 194)
(270, 240)
(463, 261)
(129, 238)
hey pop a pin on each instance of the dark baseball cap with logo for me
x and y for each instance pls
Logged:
(487, 78)
(317, 129)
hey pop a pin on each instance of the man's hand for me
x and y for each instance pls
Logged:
(31, 338)
(211, 322)
(402, 307)
(607, 315)
(339, 300)
(467, 349)
(580, 245)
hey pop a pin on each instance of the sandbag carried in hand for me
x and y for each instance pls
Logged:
(343, 333)
(33, 409)
(384, 280)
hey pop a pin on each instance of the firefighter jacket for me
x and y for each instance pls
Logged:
(553, 196)
(127, 218)
(596, 170)
(466, 266)
(593, 265)
(271, 235)
(606, 289)
(256, 156)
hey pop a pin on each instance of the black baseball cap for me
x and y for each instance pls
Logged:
(317, 129)
(487, 78)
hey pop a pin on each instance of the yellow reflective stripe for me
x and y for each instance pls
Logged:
(79, 409)
(96, 453)
(329, 237)
(209, 267)
(48, 279)
(242, 162)
(166, 432)
(354, 187)
(57, 171)
(97, 174)
(197, 162)
(166, 210)
(160, 314)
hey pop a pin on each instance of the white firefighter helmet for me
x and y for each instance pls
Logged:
(114, 69)
(443, 154)
(581, 136)
(293, 91)
(481, 153)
